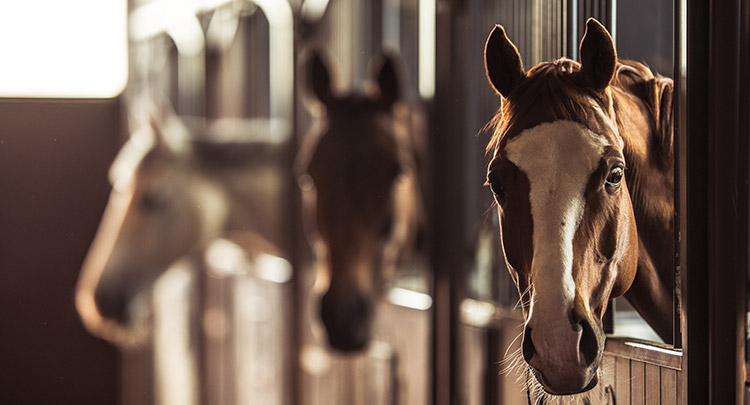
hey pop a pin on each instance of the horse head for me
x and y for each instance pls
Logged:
(567, 223)
(161, 209)
(361, 196)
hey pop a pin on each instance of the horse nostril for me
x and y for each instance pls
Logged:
(589, 345)
(111, 305)
(360, 307)
(528, 345)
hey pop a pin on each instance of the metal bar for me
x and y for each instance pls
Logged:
(692, 147)
(281, 59)
(493, 337)
(427, 12)
(680, 169)
(297, 239)
(572, 29)
(447, 165)
(744, 111)
(613, 20)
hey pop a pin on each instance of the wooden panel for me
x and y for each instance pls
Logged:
(604, 393)
(622, 380)
(637, 380)
(668, 387)
(408, 331)
(646, 352)
(472, 359)
(394, 369)
(511, 391)
(652, 384)
(609, 371)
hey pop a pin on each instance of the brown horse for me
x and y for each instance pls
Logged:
(359, 172)
(582, 173)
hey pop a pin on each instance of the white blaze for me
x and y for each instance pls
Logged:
(558, 158)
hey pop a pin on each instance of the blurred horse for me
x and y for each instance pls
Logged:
(362, 198)
(172, 196)
(582, 173)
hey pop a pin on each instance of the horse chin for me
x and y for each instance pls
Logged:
(347, 345)
(348, 336)
(567, 389)
(125, 336)
(130, 331)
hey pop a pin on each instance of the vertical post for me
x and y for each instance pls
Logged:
(680, 180)
(745, 120)
(613, 20)
(712, 175)
(727, 206)
(691, 143)
(297, 240)
(447, 166)
(572, 29)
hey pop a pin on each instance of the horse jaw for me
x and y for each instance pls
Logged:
(134, 333)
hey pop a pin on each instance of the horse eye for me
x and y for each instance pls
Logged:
(498, 190)
(614, 177)
(154, 200)
(386, 227)
(395, 172)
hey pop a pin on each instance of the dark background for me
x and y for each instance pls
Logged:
(54, 157)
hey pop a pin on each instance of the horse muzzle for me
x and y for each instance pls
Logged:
(347, 318)
(565, 361)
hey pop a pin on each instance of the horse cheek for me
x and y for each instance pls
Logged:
(512, 250)
(629, 263)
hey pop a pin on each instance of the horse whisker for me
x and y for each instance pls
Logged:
(513, 362)
(512, 343)
(520, 299)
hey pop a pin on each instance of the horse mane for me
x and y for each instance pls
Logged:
(655, 92)
(554, 89)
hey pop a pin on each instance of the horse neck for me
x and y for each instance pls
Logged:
(650, 181)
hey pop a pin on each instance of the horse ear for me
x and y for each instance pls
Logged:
(161, 143)
(598, 55)
(388, 81)
(502, 62)
(320, 78)
(168, 132)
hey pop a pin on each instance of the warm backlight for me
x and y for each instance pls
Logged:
(63, 49)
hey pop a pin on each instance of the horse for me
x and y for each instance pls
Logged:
(359, 170)
(173, 194)
(581, 170)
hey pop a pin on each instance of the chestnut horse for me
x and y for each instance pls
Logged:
(582, 174)
(362, 202)
(172, 196)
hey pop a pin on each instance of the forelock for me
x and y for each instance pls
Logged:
(550, 92)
